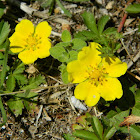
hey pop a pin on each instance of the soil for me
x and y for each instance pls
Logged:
(54, 113)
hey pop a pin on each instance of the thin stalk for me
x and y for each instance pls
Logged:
(3, 74)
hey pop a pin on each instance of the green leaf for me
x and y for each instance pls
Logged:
(68, 137)
(1, 58)
(110, 30)
(34, 82)
(2, 8)
(63, 8)
(59, 53)
(21, 79)
(46, 3)
(84, 134)
(133, 8)
(97, 127)
(139, 28)
(11, 83)
(66, 36)
(136, 108)
(135, 131)
(72, 56)
(15, 106)
(102, 22)
(90, 22)
(86, 35)
(4, 31)
(3, 73)
(78, 44)
(109, 132)
(30, 104)
(63, 44)
(3, 112)
(19, 69)
(115, 118)
(64, 73)
(1, 12)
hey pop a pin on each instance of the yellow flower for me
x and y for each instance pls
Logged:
(31, 42)
(97, 77)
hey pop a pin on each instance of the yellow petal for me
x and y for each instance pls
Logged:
(17, 44)
(43, 29)
(76, 71)
(90, 55)
(28, 56)
(111, 89)
(114, 66)
(88, 92)
(92, 98)
(25, 28)
(43, 48)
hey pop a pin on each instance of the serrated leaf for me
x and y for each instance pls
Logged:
(63, 8)
(84, 134)
(109, 132)
(21, 79)
(77, 127)
(68, 137)
(110, 30)
(86, 35)
(135, 131)
(19, 69)
(136, 108)
(97, 127)
(29, 105)
(34, 82)
(90, 22)
(66, 36)
(63, 44)
(64, 73)
(78, 44)
(72, 56)
(115, 118)
(63, 57)
(10, 83)
(133, 8)
(102, 22)
(15, 106)
(2, 8)
(59, 53)
(4, 31)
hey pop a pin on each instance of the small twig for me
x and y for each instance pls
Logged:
(122, 22)
(35, 90)
(55, 33)
(124, 17)
(55, 79)
(130, 32)
(39, 114)
(126, 50)
(137, 77)
(37, 118)
(134, 60)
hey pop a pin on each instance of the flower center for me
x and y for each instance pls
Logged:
(97, 75)
(32, 42)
